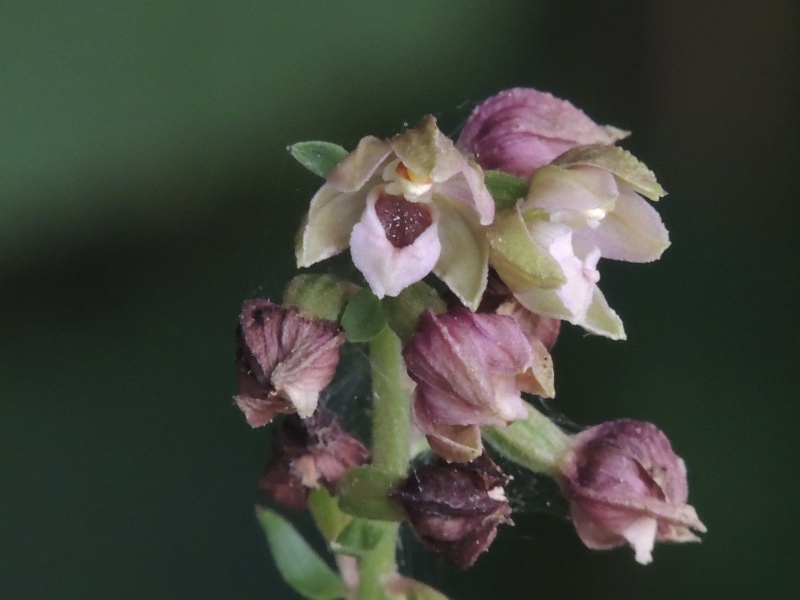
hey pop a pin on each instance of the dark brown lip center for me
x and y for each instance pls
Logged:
(403, 221)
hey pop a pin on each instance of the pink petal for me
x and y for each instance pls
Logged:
(633, 231)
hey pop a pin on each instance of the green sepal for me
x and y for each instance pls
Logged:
(358, 538)
(319, 295)
(403, 311)
(602, 320)
(464, 261)
(535, 442)
(363, 318)
(364, 492)
(318, 157)
(621, 163)
(325, 511)
(519, 261)
(299, 565)
(505, 188)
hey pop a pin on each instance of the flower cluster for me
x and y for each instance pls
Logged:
(512, 219)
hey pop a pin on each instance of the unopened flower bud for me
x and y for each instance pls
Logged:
(455, 508)
(521, 129)
(309, 453)
(284, 360)
(470, 369)
(625, 485)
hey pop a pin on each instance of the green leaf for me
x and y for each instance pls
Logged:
(402, 312)
(318, 157)
(363, 319)
(321, 296)
(364, 492)
(300, 567)
(359, 537)
(325, 510)
(411, 589)
(505, 188)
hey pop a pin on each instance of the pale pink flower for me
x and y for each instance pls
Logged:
(406, 207)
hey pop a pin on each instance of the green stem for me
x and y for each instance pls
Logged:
(391, 408)
(535, 443)
(391, 404)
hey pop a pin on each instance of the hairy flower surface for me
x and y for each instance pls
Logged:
(455, 508)
(284, 360)
(470, 369)
(406, 207)
(625, 485)
(584, 206)
(521, 129)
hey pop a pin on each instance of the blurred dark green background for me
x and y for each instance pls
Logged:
(145, 191)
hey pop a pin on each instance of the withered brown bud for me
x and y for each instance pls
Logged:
(284, 360)
(455, 508)
(309, 453)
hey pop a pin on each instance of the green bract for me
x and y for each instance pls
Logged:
(318, 157)
(505, 188)
(364, 492)
(300, 567)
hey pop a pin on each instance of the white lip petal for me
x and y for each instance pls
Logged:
(387, 269)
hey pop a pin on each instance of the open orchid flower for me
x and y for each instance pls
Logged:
(406, 207)
(584, 206)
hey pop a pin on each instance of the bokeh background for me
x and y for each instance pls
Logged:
(145, 191)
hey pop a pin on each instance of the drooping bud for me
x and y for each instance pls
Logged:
(470, 369)
(309, 453)
(625, 485)
(455, 508)
(284, 360)
(521, 129)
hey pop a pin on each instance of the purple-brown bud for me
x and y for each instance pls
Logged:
(521, 129)
(309, 453)
(284, 360)
(455, 508)
(625, 485)
(470, 369)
